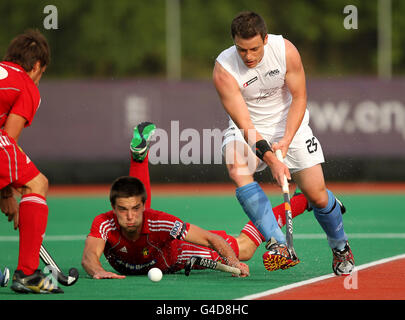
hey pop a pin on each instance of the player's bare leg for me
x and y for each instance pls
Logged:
(38, 185)
(250, 237)
(328, 212)
(33, 217)
(311, 181)
(256, 204)
(240, 162)
(247, 247)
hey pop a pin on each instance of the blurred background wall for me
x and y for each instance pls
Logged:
(117, 63)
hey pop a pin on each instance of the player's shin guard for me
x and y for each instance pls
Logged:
(330, 219)
(33, 217)
(298, 205)
(258, 208)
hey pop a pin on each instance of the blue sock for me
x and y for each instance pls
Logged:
(258, 208)
(330, 219)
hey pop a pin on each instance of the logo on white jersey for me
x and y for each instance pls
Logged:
(272, 73)
(250, 82)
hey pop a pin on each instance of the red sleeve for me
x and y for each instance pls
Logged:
(27, 103)
(162, 221)
(95, 227)
(180, 230)
(101, 226)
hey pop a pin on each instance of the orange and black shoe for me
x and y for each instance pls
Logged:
(278, 256)
(37, 282)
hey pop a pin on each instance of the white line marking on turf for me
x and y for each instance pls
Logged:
(315, 236)
(304, 236)
(47, 238)
(317, 279)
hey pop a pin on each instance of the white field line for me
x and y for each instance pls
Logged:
(315, 236)
(304, 236)
(47, 238)
(317, 279)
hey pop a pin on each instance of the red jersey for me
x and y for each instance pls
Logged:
(18, 93)
(159, 244)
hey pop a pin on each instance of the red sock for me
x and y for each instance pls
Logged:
(251, 231)
(33, 217)
(140, 170)
(298, 205)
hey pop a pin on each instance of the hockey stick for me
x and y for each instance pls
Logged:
(210, 264)
(61, 277)
(288, 214)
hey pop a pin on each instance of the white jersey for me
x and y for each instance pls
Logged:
(263, 88)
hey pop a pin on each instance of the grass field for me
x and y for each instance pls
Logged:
(374, 223)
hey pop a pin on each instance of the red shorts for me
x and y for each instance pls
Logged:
(16, 168)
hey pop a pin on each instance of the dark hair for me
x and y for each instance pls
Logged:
(248, 24)
(126, 187)
(28, 48)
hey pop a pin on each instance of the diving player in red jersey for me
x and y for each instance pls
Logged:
(25, 61)
(135, 238)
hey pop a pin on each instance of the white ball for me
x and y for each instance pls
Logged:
(155, 274)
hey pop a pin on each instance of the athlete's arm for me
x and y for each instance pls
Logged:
(211, 240)
(234, 104)
(295, 80)
(14, 125)
(92, 252)
(8, 204)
